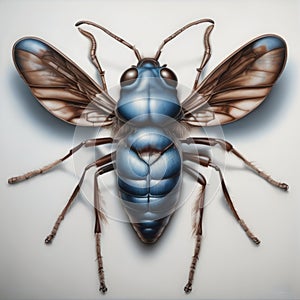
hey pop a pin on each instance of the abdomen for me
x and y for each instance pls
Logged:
(148, 166)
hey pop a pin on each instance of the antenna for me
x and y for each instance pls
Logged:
(172, 36)
(136, 52)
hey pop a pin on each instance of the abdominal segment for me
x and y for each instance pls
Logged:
(148, 165)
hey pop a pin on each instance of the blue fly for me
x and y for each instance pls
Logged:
(151, 150)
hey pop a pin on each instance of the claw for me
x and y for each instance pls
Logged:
(48, 239)
(188, 288)
(103, 288)
(284, 186)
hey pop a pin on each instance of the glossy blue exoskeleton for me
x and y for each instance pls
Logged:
(150, 125)
(148, 158)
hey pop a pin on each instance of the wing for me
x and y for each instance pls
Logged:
(238, 85)
(61, 86)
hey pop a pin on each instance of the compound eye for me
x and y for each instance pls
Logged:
(169, 76)
(129, 77)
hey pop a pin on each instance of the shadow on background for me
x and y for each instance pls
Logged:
(273, 110)
(36, 113)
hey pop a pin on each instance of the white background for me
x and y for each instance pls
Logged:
(230, 267)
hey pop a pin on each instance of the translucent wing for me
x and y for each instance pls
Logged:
(238, 85)
(61, 86)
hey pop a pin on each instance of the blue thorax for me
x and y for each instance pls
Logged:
(148, 96)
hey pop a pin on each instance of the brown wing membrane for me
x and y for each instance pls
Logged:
(238, 85)
(61, 86)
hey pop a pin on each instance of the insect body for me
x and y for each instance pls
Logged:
(148, 157)
(148, 163)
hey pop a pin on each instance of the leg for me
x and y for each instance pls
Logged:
(100, 162)
(229, 148)
(87, 143)
(203, 161)
(197, 227)
(98, 217)
(93, 56)
(233, 210)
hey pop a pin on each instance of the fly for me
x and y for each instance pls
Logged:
(151, 152)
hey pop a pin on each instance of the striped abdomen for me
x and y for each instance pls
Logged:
(148, 166)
